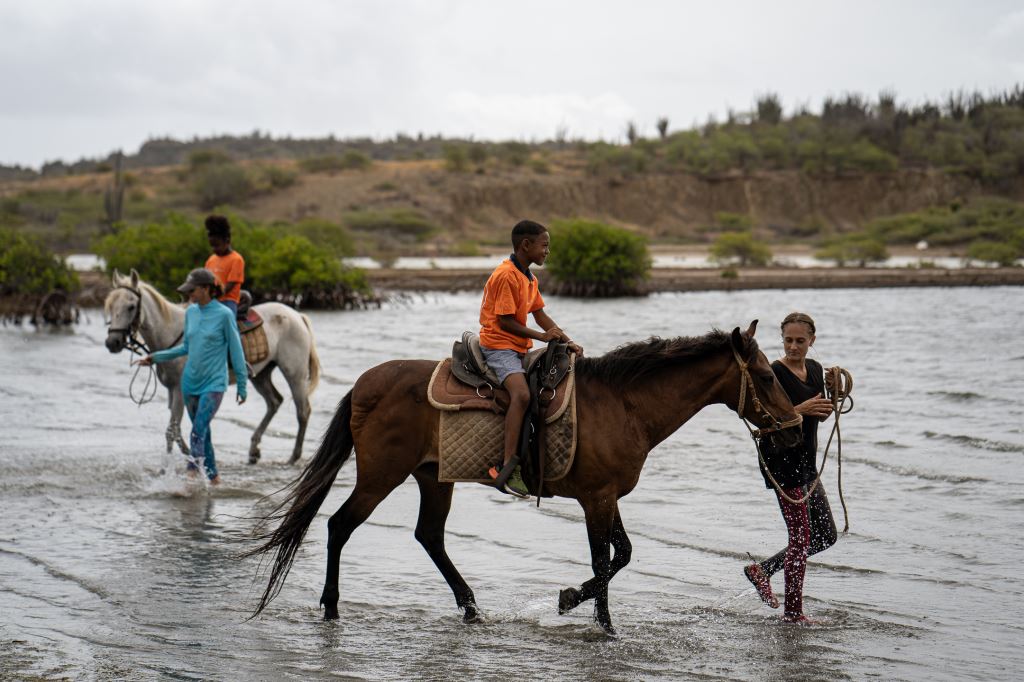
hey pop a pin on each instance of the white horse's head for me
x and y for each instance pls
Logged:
(123, 310)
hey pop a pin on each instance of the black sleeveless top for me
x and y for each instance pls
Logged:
(796, 467)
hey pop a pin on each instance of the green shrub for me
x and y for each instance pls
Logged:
(607, 159)
(27, 266)
(402, 224)
(455, 158)
(854, 249)
(333, 238)
(735, 222)
(540, 166)
(201, 158)
(740, 247)
(221, 184)
(513, 153)
(596, 260)
(281, 264)
(272, 178)
(163, 252)
(352, 159)
(1000, 253)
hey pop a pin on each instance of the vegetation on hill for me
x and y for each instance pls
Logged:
(992, 227)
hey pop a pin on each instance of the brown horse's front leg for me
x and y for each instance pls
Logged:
(570, 597)
(601, 511)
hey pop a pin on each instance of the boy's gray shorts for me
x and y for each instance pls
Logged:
(503, 362)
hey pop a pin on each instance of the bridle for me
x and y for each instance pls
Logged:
(838, 383)
(132, 342)
(137, 346)
(763, 412)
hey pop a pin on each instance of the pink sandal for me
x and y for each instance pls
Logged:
(761, 583)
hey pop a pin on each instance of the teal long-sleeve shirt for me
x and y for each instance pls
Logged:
(210, 336)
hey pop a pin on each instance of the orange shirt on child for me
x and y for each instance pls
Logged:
(229, 268)
(508, 292)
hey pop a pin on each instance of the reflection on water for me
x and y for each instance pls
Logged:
(111, 567)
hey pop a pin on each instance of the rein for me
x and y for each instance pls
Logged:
(838, 384)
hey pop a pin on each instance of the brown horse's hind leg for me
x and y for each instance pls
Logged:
(435, 502)
(604, 570)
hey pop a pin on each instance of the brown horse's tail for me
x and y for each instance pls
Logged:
(314, 359)
(304, 499)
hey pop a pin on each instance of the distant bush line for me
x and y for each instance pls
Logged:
(282, 263)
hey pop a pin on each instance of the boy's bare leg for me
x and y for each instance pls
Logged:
(519, 401)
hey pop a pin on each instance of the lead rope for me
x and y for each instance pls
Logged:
(842, 383)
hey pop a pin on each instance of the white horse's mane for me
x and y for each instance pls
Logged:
(164, 307)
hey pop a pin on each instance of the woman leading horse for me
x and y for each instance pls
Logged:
(628, 401)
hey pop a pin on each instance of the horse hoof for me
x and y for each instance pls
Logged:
(254, 457)
(330, 611)
(568, 599)
(471, 614)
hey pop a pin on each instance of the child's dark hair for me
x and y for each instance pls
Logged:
(218, 226)
(525, 229)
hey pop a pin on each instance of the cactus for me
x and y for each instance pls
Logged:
(113, 197)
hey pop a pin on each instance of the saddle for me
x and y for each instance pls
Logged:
(250, 328)
(464, 383)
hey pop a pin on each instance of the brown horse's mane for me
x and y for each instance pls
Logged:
(633, 361)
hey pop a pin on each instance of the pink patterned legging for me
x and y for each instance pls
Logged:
(799, 527)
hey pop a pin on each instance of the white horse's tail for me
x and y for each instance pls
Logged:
(314, 359)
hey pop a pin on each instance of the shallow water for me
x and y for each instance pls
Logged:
(110, 569)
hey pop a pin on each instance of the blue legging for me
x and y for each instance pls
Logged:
(201, 409)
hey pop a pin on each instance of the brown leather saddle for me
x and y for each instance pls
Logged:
(465, 382)
(250, 328)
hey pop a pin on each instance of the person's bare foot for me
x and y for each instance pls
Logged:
(760, 581)
(215, 480)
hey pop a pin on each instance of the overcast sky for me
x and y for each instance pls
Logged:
(85, 78)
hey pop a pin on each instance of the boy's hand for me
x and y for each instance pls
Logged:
(240, 399)
(145, 362)
(551, 335)
(576, 348)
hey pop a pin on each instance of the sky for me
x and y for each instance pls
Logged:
(82, 79)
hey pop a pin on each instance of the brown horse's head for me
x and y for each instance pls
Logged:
(764, 403)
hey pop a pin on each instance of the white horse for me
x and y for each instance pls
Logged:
(135, 309)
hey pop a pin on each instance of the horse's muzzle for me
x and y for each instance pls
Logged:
(788, 438)
(115, 342)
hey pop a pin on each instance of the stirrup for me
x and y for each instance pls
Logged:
(500, 476)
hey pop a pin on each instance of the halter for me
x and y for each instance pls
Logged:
(745, 380)
(132, 341)
(138, 347)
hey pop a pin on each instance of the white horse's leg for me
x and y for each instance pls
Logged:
(177, 407)
(299, 386)
(265, 387)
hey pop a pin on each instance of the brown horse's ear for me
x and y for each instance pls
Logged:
(737, 342)
(135, 279)
(751, 329)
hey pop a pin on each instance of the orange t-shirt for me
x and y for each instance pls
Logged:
(229, 268)
(507, 292)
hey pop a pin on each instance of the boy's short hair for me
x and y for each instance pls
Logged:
(218, 226)
(525, 229)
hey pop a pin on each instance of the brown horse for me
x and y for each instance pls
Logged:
(628, 401)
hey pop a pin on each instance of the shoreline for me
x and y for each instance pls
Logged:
(713, 279)
(96, 285)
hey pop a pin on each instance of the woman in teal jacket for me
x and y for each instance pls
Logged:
(210, 336)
